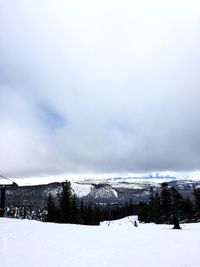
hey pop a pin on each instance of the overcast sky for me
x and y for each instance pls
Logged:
(99, 87)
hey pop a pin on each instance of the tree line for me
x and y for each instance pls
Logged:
(67, 208)
(162, 207)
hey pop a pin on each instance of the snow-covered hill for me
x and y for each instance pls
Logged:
(119, 243)
(117, 190)
(123, 189)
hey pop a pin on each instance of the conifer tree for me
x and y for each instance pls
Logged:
(188, 209)
(51, 210)
(65, 199)
(154, 207)
(196, 194)
(166, 201)
(75, 214)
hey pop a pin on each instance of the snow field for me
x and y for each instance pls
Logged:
(26, 243)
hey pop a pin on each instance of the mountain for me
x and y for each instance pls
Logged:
(123, 190)
(111, 190)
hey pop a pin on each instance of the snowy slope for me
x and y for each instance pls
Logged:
(35, 244)
(128, 221)
(81, 190)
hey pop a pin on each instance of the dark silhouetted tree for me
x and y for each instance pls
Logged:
(196, 194)
(166, 201)
(65, 200)
(52, 212)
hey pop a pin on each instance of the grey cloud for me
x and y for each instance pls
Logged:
(107, 88)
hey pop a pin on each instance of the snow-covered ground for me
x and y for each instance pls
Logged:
(26, 243)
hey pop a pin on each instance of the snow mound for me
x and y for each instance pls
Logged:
(128, 221)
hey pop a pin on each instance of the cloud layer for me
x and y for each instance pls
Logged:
(106, 87)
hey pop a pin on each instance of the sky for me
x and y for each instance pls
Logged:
(99, 87)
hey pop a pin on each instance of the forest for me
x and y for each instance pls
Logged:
(163, 207)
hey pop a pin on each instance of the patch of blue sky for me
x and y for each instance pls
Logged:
(52, 119)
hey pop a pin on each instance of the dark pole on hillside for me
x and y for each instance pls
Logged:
(2, 204)
(3, 193)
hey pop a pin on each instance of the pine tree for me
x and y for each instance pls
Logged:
(196, 194)
(82, 213)
(197, 198)
(143, 212)
(75, 214)
(65, 199)
(154, 207)
(166, 202)
(177, 203)
(188, 208)
(51, 210)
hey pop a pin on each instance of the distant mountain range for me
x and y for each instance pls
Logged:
(108, 190)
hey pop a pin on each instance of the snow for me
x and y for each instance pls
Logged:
(104, 192)
(81, 190)
(128, 221)
(26, 243)
(4, 181)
